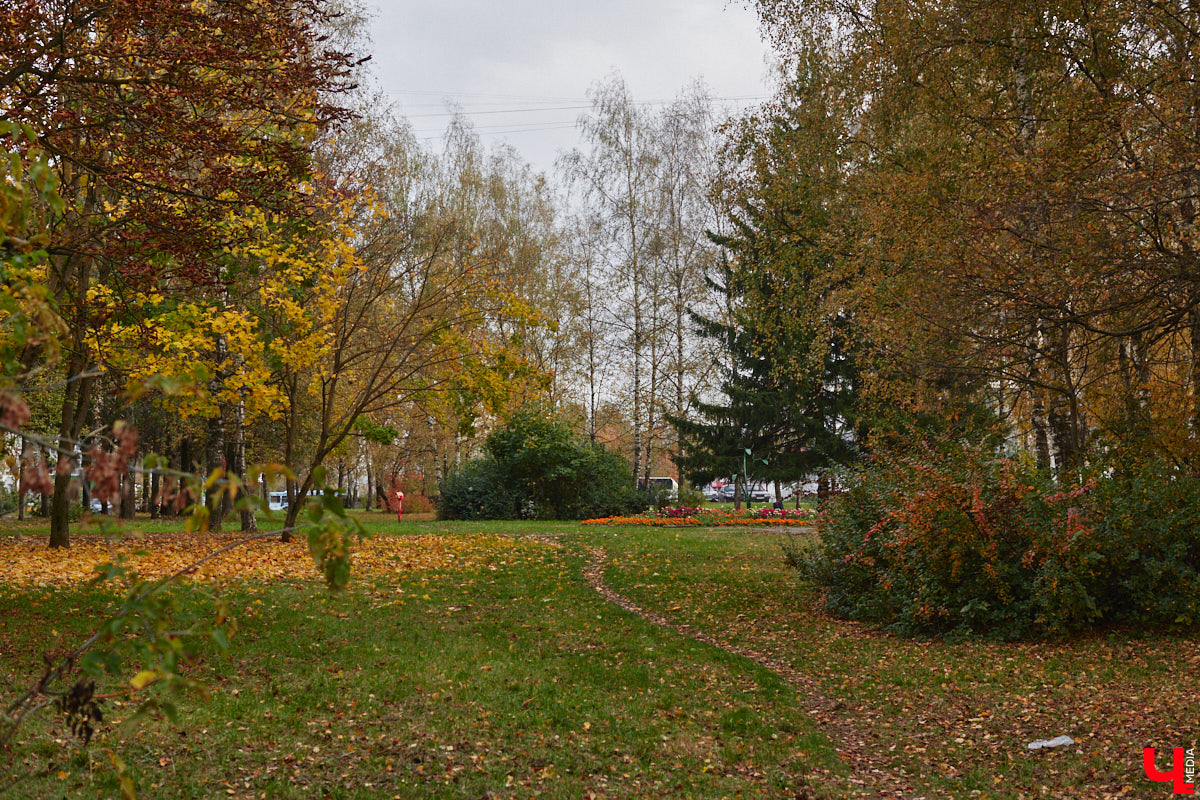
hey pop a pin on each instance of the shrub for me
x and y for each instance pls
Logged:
(476, 491)
(959, 540)
(691, 497)
(417, 504)
(536, 468)
(1144, 538)
(8, 500)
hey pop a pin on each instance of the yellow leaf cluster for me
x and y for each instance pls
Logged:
(223, 346)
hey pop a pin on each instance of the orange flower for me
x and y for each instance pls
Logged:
(652, 522)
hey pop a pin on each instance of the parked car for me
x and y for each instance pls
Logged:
(761, 492)
(712, 491)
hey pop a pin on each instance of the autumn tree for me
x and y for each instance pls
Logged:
(1020, 172)
(425, 310)
(594, 364)
(157, 122)
(691, 208)
(641, 183)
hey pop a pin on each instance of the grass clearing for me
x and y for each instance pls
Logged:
(502, 676)
(501, 673)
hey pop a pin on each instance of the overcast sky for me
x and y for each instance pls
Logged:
(522, 68)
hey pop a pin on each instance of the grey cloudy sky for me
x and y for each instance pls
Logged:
(522, 68)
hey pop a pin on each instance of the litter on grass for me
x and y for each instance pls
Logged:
(1059, 742)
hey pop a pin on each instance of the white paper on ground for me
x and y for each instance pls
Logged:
(1059, 742)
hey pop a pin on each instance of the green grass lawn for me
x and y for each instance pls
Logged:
(509, 677)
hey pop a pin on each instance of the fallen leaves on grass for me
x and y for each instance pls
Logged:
(955, 717)
(28, 561)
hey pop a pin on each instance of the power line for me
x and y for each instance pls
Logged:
(524, 97)
(499, 111)
(423, 135)
(584, 106)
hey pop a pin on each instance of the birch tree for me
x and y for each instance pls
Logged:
(616, 177)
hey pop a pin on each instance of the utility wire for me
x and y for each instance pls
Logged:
(582, 106)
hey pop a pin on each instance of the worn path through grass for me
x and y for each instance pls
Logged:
(476, 661)
(499, 674)
(949, 719)
(867, 774)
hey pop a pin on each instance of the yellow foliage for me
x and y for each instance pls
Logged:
(296, 283)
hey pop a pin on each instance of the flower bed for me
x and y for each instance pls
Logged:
(679, 512)
(759, 522)
(683, 516)
(653, 522)
(803, 514)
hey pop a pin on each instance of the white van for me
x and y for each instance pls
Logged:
(670, 486)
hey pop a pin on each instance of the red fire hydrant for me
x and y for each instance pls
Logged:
(399, 506)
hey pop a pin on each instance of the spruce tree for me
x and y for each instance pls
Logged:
(792, 378)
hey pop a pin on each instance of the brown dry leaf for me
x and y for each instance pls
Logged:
(28, 561)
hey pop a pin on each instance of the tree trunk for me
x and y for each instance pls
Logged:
(128, 493)
(370, 500)
(1194, 366)
(214, 449)
(76, 399)
(20, 475)
(249, 522)
(1037, 405)
(296, 496)
(214, 459)
(637, 383)
(591, 357)
(680, 305)
(651, 400)
(44, 498)
(59, 512)
(185, 465)
(293, 509)
(153, 499)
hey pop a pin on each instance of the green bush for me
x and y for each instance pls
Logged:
(1145, 534)
(959, 540)
(8, 500)
(476, 491)
(690, 497)
(536, 468)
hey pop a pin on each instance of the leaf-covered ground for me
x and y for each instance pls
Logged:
(27, 560)
(475, 661)
(951, 719)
